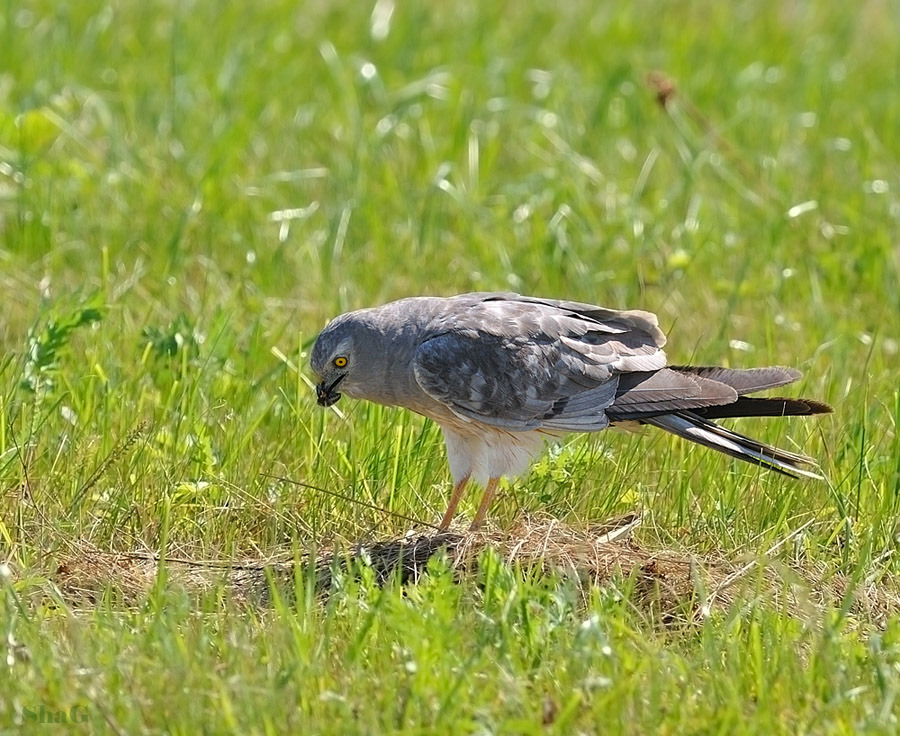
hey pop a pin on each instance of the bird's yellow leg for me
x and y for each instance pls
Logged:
(454, 502)
(489, 492)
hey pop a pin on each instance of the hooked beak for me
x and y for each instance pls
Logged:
(326, 394)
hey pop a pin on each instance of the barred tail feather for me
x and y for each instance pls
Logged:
(709, 434)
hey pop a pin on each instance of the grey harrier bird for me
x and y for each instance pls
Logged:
(502, 373)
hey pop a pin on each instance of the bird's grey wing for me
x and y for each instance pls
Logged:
(524, 364)
(516, 384)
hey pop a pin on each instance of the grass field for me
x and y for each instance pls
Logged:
(189, 191)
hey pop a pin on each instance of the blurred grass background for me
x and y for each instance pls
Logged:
(188, 191)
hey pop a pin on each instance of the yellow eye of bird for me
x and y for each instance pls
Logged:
(340, 362)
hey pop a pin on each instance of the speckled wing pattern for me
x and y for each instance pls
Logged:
(520, 364)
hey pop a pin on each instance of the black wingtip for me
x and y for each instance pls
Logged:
(776, 406)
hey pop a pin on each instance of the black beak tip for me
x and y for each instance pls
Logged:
(326, 397)
(328, 400)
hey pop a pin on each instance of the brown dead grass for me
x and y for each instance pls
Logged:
(671, 587)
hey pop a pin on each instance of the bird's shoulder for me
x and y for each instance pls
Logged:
(509, 314)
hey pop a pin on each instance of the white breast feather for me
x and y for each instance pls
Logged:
(491, 453)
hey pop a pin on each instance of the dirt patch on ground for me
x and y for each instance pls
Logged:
(672, 587)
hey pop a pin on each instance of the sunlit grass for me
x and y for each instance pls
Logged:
(189, 191)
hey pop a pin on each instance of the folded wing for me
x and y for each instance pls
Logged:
(523, 364)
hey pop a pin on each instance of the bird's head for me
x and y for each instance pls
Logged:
(334, 359)
(346, 356)
(368, 354)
